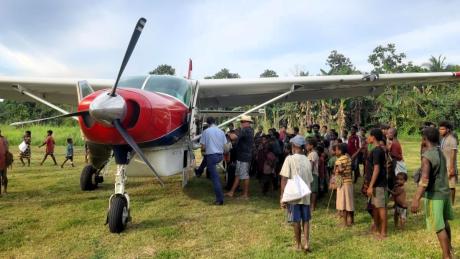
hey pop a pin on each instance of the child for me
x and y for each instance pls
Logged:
(322, 170)
(344, 182)
(69, 153)
(268, 169)
(26, 154)
(49, 142)
(299, 213)
(399, 196)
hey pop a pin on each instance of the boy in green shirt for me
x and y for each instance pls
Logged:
(435, 188)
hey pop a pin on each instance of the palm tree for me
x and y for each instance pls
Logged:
(436, 64)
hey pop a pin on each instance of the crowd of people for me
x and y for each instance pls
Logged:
(25, 154)
(329, 163)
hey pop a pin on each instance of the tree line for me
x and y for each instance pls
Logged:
(404, 106)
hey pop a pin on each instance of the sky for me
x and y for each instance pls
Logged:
(87, 39)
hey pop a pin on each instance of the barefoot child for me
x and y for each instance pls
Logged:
(49, 142)
(69, 152)
(26, 154)
(298, 212)
(399, 196)
(344, 182)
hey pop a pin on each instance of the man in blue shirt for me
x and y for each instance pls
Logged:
(212, 143)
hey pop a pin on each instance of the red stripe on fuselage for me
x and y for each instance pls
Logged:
(159, 115)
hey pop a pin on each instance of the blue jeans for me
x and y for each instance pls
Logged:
(211, 161)
(202, 166)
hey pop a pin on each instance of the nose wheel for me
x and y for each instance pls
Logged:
(118, 215)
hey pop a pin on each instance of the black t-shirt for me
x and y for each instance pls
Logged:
(245, 144)
(377, 157)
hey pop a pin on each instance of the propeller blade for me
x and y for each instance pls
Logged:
(136, 148)
(80, 113)
(132, 44)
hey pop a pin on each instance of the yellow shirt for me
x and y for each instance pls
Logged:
(344, 165)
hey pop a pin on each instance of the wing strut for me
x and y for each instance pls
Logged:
(25, 91)
(294, 87)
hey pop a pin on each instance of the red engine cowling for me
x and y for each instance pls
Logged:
(150, 117)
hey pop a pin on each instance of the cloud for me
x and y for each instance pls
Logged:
(32, 65)
(244, 36)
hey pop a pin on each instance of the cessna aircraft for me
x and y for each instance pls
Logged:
(148, 121)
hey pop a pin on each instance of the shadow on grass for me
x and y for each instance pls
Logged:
(201, 189)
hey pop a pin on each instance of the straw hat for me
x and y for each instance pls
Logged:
(246, 118)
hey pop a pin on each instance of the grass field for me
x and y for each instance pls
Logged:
(45, 215)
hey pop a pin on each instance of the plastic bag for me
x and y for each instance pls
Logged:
(23, 146)
(295, 189)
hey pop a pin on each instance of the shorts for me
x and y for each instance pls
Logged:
(298, 212)
(401, 212)
(379, 198)
(437, 212)
(69, 157)
(315, 183)
(242, 170)
(453, 180)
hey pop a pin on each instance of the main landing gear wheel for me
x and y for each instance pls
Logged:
(89, 178)
(118, 216)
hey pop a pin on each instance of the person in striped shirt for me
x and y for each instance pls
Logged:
(344, 202)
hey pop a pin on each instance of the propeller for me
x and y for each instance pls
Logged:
(132, 44)
(133, 144)
(110, 109)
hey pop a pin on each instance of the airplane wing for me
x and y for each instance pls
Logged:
(236, 92)
(54, 90)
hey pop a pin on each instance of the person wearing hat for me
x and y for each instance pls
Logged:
(298, 212)
(244, 146)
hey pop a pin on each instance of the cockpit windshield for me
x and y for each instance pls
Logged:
(132, 81)
(170, 85)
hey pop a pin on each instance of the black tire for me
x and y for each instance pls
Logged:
(118, 221)
(87, 178)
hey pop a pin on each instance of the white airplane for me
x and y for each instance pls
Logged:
(148, 121)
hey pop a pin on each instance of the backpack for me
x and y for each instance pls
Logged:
(9, 159)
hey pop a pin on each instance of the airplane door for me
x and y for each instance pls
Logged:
(194, 109)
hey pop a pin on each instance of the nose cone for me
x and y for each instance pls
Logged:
(106, 108)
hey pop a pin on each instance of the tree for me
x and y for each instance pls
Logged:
(269, 73)
(13, 111)
(339, 65)
(223, 74)
(386, 60)
(163, 70)
(436, 64)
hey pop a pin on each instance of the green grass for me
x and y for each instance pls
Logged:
(45, 215)
(60, 134)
